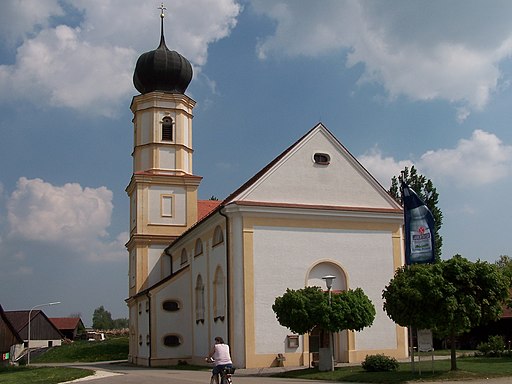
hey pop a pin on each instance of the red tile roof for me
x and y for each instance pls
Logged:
(204, 207)
(65, 322)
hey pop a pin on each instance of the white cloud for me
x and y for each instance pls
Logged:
(69, 217)
(63, 70)
(89, 68)
(424, 50)
(21, 18)
(482, 159)
(383, 168)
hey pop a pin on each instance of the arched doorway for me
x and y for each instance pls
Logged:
(318, 338)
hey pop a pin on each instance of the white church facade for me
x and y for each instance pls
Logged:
(200, 269)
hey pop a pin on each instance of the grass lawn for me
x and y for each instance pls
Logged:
(468, 368)
(79, 351)
(41, 375)
(86, 351)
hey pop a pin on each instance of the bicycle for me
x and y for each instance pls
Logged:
(225, 374)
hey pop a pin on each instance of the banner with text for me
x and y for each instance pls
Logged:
(419, 228)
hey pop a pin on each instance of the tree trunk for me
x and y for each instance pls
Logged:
(453, 354)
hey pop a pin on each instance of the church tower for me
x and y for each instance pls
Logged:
(163, 188)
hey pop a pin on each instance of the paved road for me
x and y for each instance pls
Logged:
(107, 373)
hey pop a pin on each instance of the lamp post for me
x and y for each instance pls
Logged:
(328, 282)
(29, 318)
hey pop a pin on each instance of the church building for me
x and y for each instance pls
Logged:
(201, 269)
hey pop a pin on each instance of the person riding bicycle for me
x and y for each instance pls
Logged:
(221, 357)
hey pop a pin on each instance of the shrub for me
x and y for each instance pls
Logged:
(495, 346)
(379, 363)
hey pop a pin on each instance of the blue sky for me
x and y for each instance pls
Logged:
(399, 83)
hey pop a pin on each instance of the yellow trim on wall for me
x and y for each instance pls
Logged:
(253, 360)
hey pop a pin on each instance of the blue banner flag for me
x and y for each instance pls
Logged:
(419, 228)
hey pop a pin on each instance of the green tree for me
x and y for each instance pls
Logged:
(449, 297)
(504, 263)
(102, 319)
(428, 193)
(302, 310)
(120, 323)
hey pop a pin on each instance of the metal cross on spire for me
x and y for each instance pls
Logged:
(162, 8)
(162, 15)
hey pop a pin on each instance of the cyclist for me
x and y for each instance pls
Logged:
(221, 358)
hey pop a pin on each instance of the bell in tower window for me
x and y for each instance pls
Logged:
(167, 129)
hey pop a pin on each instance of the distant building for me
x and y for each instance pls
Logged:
(42, 331)
(203, 269)
(9, 338)
(70, 327)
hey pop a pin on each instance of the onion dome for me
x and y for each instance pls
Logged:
(162, 69)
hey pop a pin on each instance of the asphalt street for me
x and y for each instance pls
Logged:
(108, 373)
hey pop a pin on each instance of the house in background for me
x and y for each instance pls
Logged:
(9, 338)
(70, 327)
(42, 331)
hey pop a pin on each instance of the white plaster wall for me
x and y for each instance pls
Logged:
(143, 325)
(218, 258)
(299, 180)
(154, 271)
(179, 322)
(282, 257)
(237, 291)
(167, 156)
(179, 205)
(145, 159)
(145, 127)
(132, 268)
(200, 330)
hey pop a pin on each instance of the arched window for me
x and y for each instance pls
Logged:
(184, 257)
(219, 295)
(198, 250)
(218, 236)
(199, 300)
(167, 129)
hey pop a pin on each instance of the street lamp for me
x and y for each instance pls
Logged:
(29, 318)
(328, 282)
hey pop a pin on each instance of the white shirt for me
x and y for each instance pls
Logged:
(221, 354)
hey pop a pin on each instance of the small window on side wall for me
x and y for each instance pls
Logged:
(172, 340)
(218, 236)
(321, 158)
(184, 257)
(171, 305)
(198, 249)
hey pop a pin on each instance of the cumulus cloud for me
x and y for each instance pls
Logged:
(481, 160)
(383, 168)
(59, 67)
(89, 67)
(18, 19)
(423, 50)
(68, 216)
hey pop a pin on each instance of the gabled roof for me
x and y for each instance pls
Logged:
(342, 179)
(19, 319)
(9, 325)
(392, 206)
(66, 323)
